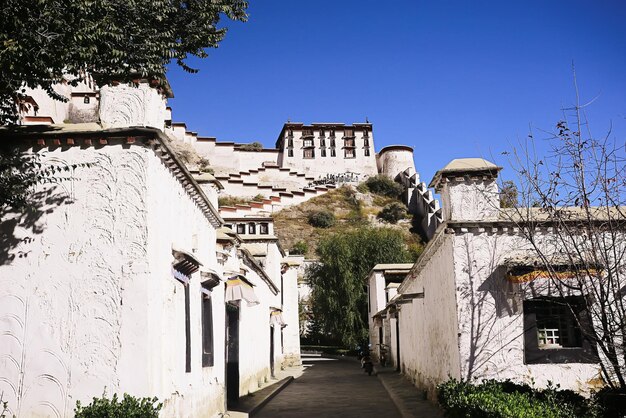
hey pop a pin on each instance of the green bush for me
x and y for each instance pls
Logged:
(300, 248)
(506, 399)
(383, 185)
(321, 219)
(129, 407)
(254, 146)
(392, 213)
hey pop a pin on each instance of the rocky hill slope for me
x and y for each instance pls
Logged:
(352, 208)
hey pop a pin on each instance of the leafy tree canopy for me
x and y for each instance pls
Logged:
(339, 299)
(41, 40)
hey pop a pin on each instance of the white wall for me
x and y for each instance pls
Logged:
(428, 326)
(88, 303)
(490, 316)
(173, 218)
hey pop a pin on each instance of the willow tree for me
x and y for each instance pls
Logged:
(339, 298)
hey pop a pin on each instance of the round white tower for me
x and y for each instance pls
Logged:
(395, 159)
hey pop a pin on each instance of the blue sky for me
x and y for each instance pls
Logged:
(452, 79)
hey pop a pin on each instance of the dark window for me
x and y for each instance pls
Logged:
(321, 133)
(264, 228)
(187, 331)
(290, 142)
(309, 153)
(332, 142)
(241, 228)
(207, 329)
(366, 133)
(289, 152)
(367, 152)
(552, 331)
(332, 152)
(349, 153)
(228, 226)
(86, 100)
(331, 133)
(290, 132)
(307, 132)
(322, 142)
(366, 141)
(251, 228)
(323, 152)
(308, 142)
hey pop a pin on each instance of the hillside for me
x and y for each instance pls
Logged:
(352, 209)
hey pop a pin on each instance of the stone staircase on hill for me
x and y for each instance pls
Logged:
(274, 202)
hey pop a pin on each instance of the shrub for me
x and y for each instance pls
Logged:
(300, 248)
(254, 146)
(321, 219)
(507, 399)
(130, 406)
(383, 185)
(392, 213)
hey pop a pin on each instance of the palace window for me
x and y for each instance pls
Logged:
(207, 327)
(307, 132)
(323, 152)
(331, 133)
(290, 142)
(309, 153)
(308, 142)
(322, 142)
(251, 228)
(290, 152)
(348, 142)
(332, 142)
(332, 152)
(367, 152)
(348, 133)
(349, 153)
(264, 228)
(366, 141)
(241, 228)
(552, 331)
(322, 133)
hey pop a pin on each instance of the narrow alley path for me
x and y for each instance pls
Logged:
(331, 388)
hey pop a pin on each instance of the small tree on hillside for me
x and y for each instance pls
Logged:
(579, 191)
(338, 295)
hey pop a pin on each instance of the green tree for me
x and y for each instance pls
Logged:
(41, 40)
(392, 213)
(339, 299)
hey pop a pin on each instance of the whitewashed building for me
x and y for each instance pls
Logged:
(468, 308)
(103, 286)
(123, 279)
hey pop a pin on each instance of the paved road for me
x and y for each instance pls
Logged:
(331, 388)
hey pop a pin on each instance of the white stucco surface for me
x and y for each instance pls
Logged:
(428, 326)
(125, 105)
(89, 305)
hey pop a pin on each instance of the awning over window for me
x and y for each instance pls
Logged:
(526, 269)
(239, 288)
(276, 317)
(184, 265)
